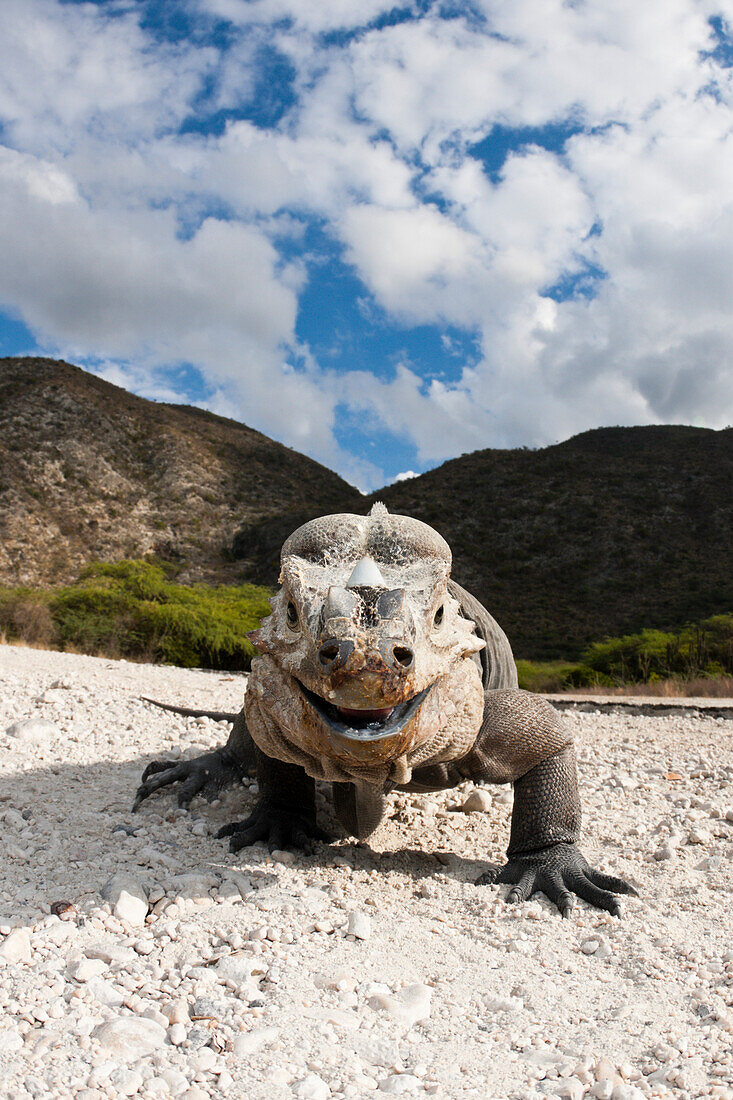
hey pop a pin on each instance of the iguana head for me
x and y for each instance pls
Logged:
(366, 656)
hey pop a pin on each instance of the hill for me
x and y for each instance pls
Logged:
(89, 471)
(607, 533)
(610, 532)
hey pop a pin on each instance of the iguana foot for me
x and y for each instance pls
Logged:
(280, 828)
(207, 775)
(559, 872)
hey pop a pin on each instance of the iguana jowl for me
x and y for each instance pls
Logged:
(378, 672)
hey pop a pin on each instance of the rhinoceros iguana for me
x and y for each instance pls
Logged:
(377, 672)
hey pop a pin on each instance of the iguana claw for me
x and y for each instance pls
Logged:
(207, 775)
(559, 872)
(280, 828)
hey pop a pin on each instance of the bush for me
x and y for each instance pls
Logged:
(25, 614)
(133, 609)
(697, 649)
(550, 676)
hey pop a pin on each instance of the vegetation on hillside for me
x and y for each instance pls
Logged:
(603, 535)
(133, 609)
(136, 610)
(696, 652)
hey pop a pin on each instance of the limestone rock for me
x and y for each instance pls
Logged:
(250, 1041)
(359, 925)
(477, 802)
(409, 1006)
(311, 1087)
(128, 1038)
(400, 1084)
(33, 729)
(16, 947)
(82, 970)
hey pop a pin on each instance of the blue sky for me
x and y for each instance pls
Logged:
(384, 235)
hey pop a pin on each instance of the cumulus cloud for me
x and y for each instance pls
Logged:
(134, 240)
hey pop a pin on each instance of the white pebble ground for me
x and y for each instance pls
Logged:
(355, 970)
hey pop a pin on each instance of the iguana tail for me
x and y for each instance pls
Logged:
(215, 715)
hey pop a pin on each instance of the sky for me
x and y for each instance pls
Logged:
(383, 235)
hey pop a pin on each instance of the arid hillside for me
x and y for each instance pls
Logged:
(89, 471)
(609, 532)
(612, 531)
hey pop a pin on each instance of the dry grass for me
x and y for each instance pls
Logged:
(713, 687)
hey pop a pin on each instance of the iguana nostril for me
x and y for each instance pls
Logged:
(328, 653)
(403, 656)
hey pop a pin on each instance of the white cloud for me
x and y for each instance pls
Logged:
(414, 260)
(325, 15)
(133, 245)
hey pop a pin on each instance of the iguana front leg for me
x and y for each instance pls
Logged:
(207, 774)
(285, 815)
(522, 740)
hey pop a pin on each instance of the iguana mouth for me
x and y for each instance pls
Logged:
(368, 723)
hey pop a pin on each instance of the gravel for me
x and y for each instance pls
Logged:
(138, 957)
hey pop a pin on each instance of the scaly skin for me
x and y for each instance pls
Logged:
(377, 672)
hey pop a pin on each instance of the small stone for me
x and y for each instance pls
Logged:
(195, 884)
(596, 945)
(477, 802)
(710, 863)
(130, 909)
(409, 1006)
(359, 925)
(10, 1039)
(83, 970)
(205, 1060)
(104, 992)
(311, 1087)
(604, 1070)
(280, 855)
(16, 948)
(177, 1034)
(376, 1049)
(128, 1038)
(203, 1008)
(250, 1041)
(126, 1082)
(571, 1089)
(237, 971)
(128, 899)
(664, 851)
(504, 1004)
(699, 836)
(400, 1083)
(175, 1081)
(175, 1011)
(110, 953)
(34, 729)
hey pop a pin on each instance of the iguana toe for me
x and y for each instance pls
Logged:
(207, 775)
(276, 826)
(558, 872)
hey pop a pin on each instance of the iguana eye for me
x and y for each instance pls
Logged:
(291, 614)
(438, 617)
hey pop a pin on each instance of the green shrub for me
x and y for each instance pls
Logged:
(697, 649)
(133, 609)
(549, 676)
